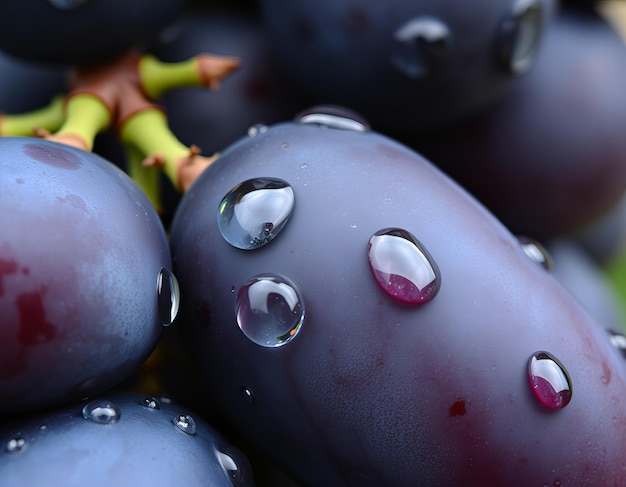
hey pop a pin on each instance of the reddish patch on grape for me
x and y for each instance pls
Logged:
(549, 380)
(53, 156)
(34, 326)
(6, 267)
(457, 409)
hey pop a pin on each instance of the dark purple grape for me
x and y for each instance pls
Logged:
(85, 274)
(406, 65)
(308, 345)
(81, 31)
(548, 158)
(119, 439)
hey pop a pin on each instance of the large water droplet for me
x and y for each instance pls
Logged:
(234, 465)
(15, 445)
(519, 36)
(151, 403)
(269, 310)
(255, 211)
(420, 45)
(101, 411)
(403, 267)
(185, 423)
(535, 251)
(333, 116)
(168, 295)
(549, 380)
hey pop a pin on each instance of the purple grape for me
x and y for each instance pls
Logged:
(85, 274)
(406, 65)
(499, 378)
(119, 438)
(547, 158)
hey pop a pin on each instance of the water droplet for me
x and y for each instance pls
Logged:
(618, 340)
(151, 402)
(420, 45)
(549, 380)
(535, 251)
(234, 465)
(257, 129)
(15, 445)
(185, 423)
(247, 396)
(333, 116)
(519, 36)
(101, 411)
(254, 212)
(269, 310)
(402, 266)
(304, 165)
(168, 295)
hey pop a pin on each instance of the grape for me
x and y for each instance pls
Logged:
(547, 158)
(85, 274)
(381, 327)
(81, 31)
(406, 65)
(119, 438)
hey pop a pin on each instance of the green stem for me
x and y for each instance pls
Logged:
(48, 118)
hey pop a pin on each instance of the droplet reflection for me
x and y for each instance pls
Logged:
(168, 295)
(269, 310)
(254, 212)
(101, 411)
(402, 266)
(549, 380)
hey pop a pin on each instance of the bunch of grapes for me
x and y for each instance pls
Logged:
(290, 243)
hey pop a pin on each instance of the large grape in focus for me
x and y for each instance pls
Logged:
(363, 320)
(85, 274)
(406, 65)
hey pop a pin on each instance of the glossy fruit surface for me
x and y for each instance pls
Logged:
(85, 274)
(499, 377)
(119, 438)
(406, 65)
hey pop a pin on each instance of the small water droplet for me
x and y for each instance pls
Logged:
(352, 225)
(269, 310)
(168, 295)
(420, 45)
(254, 212)
(165, 399)
(247, 396)
(257, 129)
(15, 445)
(304, 165)
(185, 423)
(234, 465)
(101, 411)
(43, 427)
(151, 402)
(549, 380)
(402, 266)
(333, 116)
(535, 251)
(519, 36)
(618, 340)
